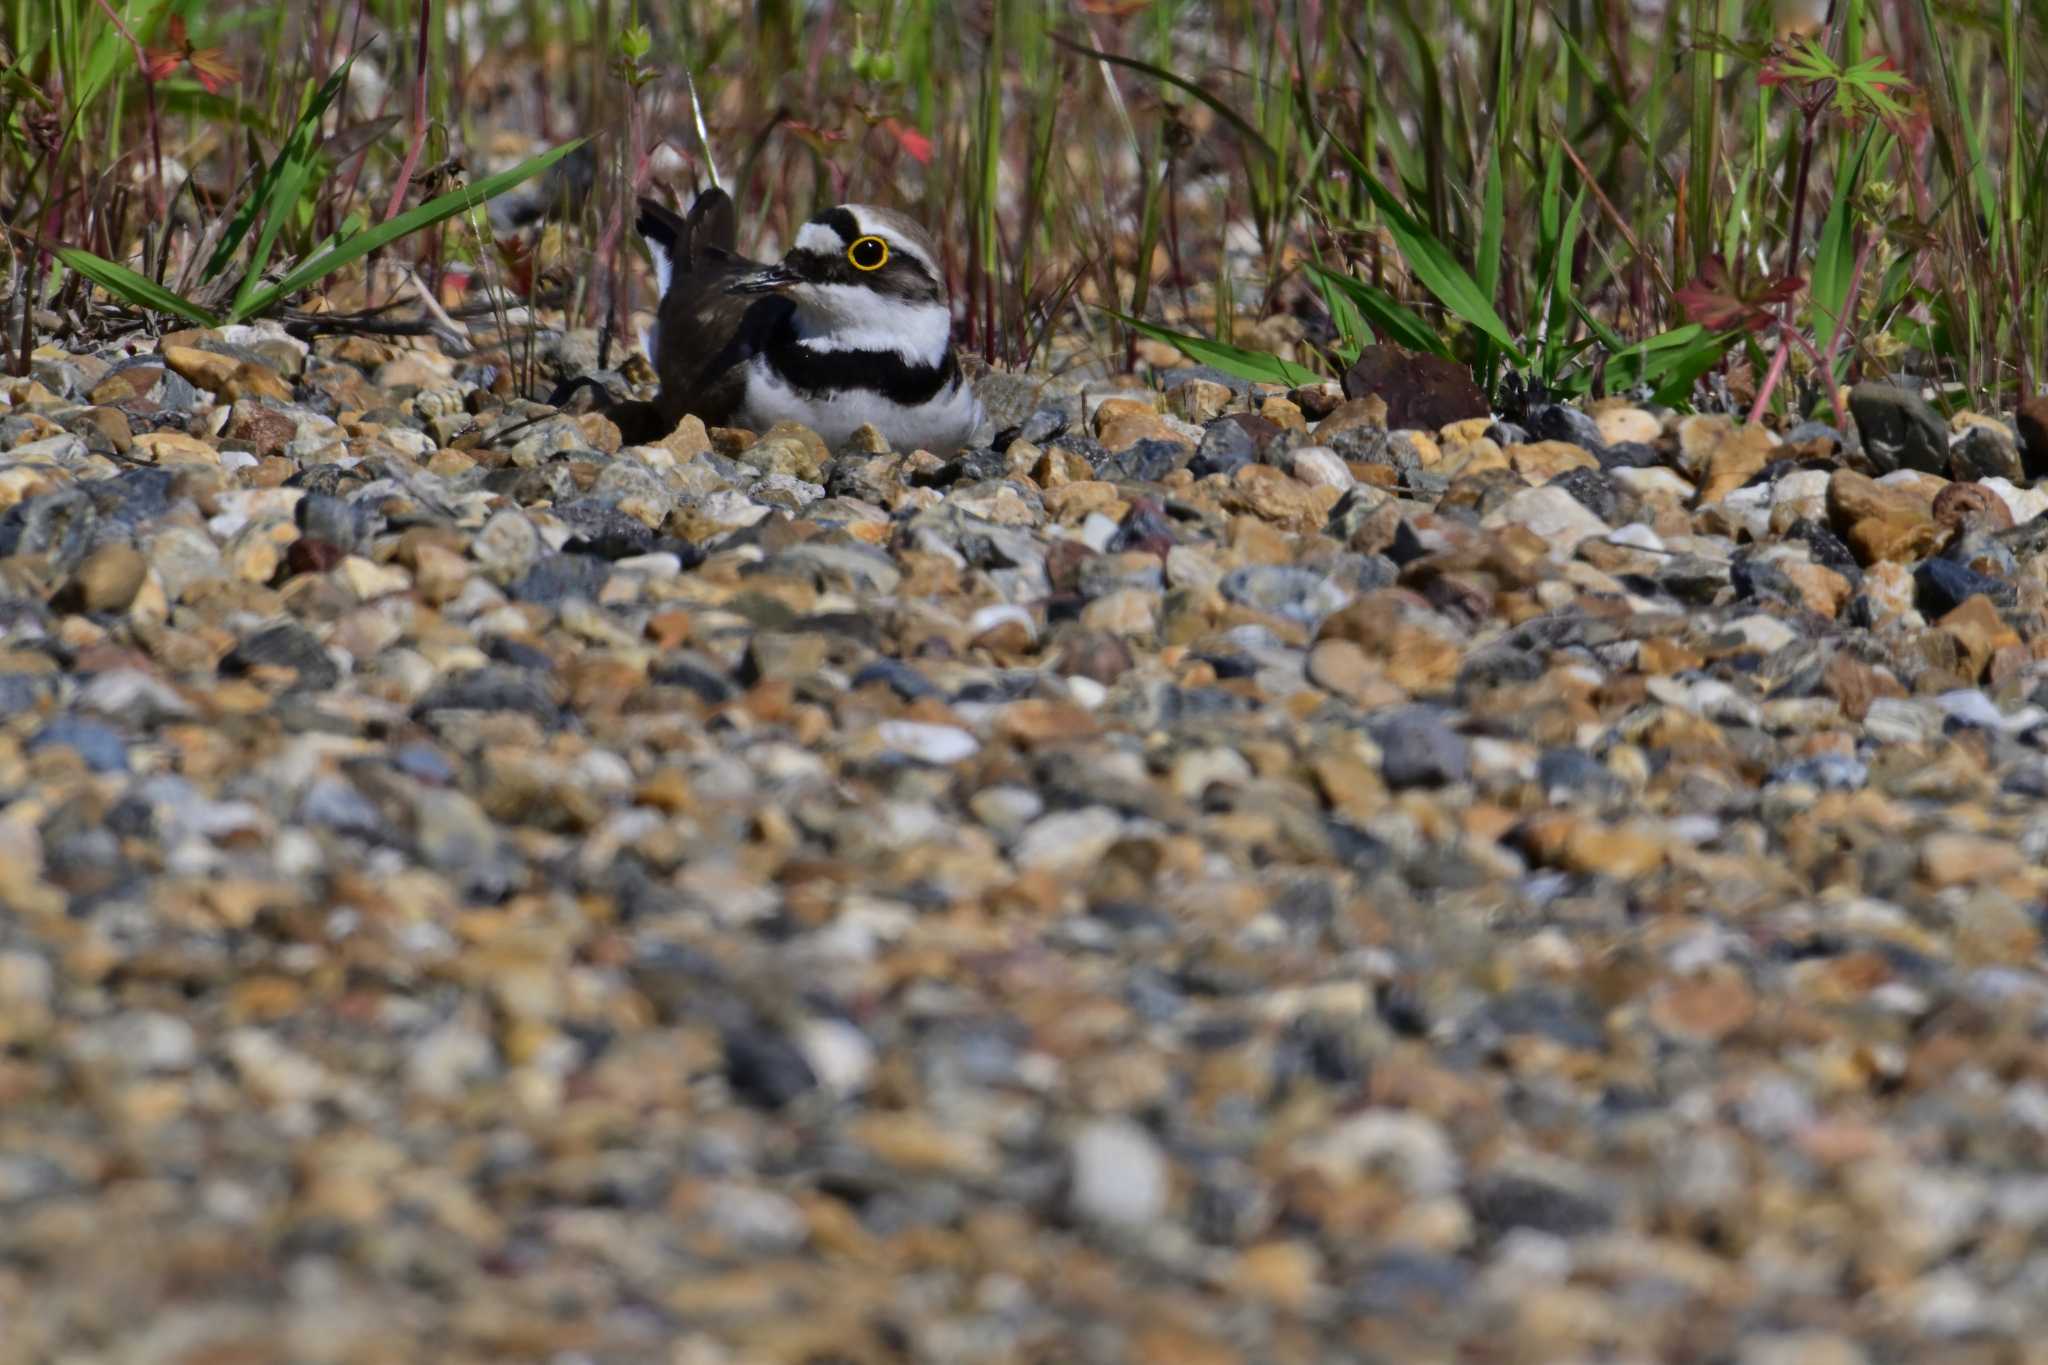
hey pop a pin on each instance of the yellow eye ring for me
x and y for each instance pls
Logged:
(868, 253)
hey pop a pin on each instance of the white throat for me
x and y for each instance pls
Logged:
(851, 317)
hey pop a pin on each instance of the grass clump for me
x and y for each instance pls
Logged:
(1734, 202)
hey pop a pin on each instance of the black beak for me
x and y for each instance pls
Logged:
(775, 277)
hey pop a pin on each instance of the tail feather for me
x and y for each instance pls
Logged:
(711, 223)
(668, 241)
(679, 243)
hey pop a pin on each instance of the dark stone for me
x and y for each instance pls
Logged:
(1418, 748)
(518, 653)
(899, 677)
(1900, 430)
(1422, 392)
(603, 531)
(764, 1068)
(1573, 772)
(972, 466)
(2033, 424)
(1226, 448)
(1146, 461)
(339, 522)
(1825, 548)
(1041, 426)
(25, 691)
(493, 688)
(101, 746)
(1413, 1286)
(1507, 1201)
(134, 496)
(1562, 422)
(1547, 1014)
(424, 763)
(1144, 528)
(556, 578)
(337, 804)
(310, 555)
(1810, 434)
(1629, 455)
(1593, 490)
(695, 673)
(1982, 453)
(288, 645)
(63, 525)
(1942, 585)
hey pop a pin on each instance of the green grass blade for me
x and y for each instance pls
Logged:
(270, 191)
(1436, 269)
(280, 196)
(1386, 315)
(1834, 258)
(1563, 295)
(433, 211)
(1256, 366)
(139, 290)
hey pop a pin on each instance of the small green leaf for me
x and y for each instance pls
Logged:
(1253, 365)
(139, 290)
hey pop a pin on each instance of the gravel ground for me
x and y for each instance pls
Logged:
(1212, 881)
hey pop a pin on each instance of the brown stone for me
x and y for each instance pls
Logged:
(1125, 430)
(1383, 624)
(1821, 589)
(1422, 392)
(1736, 459)
(1979, 632)
(1971, 507)
(1280, 498)
(108, 579)
(1706, 1007)
(1542, 461)
(176, 448)
(1881, 522)
(1854, 684)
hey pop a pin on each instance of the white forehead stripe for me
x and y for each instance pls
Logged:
(819, 238)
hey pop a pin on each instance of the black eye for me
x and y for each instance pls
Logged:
(868, 253)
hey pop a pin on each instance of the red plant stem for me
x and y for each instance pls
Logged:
(419, 118)
(1772, 375)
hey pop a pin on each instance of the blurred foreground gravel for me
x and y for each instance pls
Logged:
(1212, 882)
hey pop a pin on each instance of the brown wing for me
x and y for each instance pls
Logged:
(696, 358)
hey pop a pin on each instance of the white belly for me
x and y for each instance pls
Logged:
(942, 425)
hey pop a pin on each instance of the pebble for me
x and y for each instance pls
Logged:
(1119, 1179)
